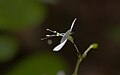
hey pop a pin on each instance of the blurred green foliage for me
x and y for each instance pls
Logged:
(8, 48)
(52, 2)
(17, 14)
(39, 64)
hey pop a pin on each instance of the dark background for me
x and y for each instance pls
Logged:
(97, 22)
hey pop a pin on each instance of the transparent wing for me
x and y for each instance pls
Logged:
(73, 24)
(57, 48)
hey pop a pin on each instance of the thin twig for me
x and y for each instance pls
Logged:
(77, 65)
(76, 48)
(80, 58)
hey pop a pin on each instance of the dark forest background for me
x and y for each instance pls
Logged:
(24, 22)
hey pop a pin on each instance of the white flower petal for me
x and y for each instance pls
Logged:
(65, 36)
(57, 48)
(73, 24)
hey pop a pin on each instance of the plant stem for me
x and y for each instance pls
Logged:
(77, 64)
(77, 49)
(80, 58)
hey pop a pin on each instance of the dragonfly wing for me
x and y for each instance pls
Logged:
(57, 48)
(73, 24)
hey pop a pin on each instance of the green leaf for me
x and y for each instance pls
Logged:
(39, 64)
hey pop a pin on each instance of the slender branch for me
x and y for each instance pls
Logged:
(81, 57)
(77, 65)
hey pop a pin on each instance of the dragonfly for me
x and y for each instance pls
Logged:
(65, 36)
